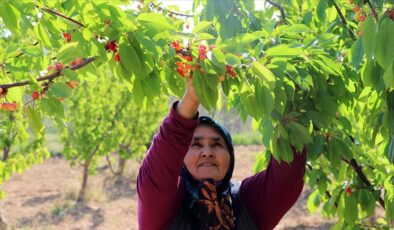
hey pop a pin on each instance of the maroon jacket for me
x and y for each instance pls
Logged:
(267, 195)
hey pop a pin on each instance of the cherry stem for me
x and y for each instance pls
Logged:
(281, 9)
(375, 15)
(343, 19)
(171, 12)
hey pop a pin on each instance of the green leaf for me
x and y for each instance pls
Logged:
(313, 201)
(218, 58)
(264, 73)
(59, 90)
(369, 36)
(245, 38)
(42, 35)
(385, 42)
(284, 51)
(10, 16)
(299, 135)
(201, 26)
(357, 53)
(388, 76)
(68, 52)
(232, 59)
(285, 151)
(205, 36)
(350, 212)
(138, 92)
(129, 58)
(53, 107)
(70, 74)
(296, 28)
(156, 20)
(35, 121)
(265, 99)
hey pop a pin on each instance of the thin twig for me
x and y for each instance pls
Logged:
(281, 9)
(357, 168)
(326, 192)
(171, 12)
(61, 15)
(343, 19)
(110, 164)
(49, 77)
(375, 15)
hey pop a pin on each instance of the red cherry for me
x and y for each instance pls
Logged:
(362, 18)
(67, 36)
(59, 66)
(187, 58)
(112, 46)
(176, 45)
(349, 191)
(360, 33)
(117, 57)
(356, 9)
(35, 95)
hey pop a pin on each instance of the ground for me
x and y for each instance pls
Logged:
(44, 198)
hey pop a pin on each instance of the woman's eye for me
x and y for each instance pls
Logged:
(196, 145)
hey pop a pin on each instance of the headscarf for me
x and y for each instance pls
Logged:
(208, 203)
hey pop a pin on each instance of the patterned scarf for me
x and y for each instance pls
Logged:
(208, 205)
(214, 212)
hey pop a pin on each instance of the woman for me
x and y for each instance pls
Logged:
(184, 181)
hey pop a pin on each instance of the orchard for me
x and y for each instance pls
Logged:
(318, 74)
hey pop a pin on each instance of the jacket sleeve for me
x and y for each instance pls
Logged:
(269, 194)
(159, 193)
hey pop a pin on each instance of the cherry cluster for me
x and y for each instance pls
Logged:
(112, 46)
(186, 66)
(359, 16)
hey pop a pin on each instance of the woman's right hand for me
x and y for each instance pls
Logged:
(188, 106)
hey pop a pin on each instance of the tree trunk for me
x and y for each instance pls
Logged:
(121, 166)
(6, 151)
(81, 197)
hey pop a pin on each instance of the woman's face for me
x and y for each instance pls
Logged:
(208, 157)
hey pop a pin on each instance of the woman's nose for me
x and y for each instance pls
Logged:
(207, 152)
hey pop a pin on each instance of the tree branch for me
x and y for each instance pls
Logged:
(375, 15)
(61, 15)
(170, 11)
(353, 163)
(49, 77)
(343, 19)
(281, 9)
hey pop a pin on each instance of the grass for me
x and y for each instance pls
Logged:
(252, 138)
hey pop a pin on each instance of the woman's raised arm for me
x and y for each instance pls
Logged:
(159, 194)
